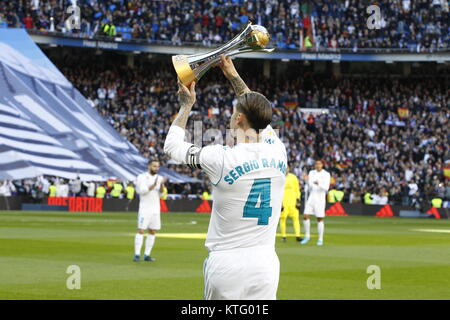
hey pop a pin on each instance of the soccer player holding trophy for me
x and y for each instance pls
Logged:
(248, 179)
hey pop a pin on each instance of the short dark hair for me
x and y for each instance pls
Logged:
(256, 108)
(151, 161)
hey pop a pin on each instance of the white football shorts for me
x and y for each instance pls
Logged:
(315, 207)
(242, 274)
(149, 221)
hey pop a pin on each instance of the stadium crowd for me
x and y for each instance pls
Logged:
(419, 26)
(384, 136)
(42, 186)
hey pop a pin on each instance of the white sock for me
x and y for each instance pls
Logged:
(307, 224)
(320, 229)
(149, 244)
(138, 243)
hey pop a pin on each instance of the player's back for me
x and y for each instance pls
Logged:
(248, 197)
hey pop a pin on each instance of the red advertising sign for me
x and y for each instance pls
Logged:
(83, 204)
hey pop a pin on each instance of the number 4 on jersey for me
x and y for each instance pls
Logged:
(260, 191)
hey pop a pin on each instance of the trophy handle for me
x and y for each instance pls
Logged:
(237, 40)
(244, 50)
(201, 69)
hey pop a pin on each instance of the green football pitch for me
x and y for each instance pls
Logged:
(36, 249)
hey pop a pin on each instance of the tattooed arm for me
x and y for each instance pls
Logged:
(187, 99)
(232, 75)
(210, 158)
(174, 145)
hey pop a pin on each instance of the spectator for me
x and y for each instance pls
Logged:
(62, 188)
(109, 29)
(90, 188)
(28, 22)
(413, 188)
(338, 24)
(75, 187)
(5, 192)
(100, 191)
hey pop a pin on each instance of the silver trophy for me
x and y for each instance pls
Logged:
(253, 38)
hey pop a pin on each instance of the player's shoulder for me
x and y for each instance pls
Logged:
(214, 149)
(292, 176)
(325, 174)
(142, 175)
(212, 155)
(270, 136)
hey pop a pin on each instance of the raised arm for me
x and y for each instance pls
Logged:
(210, 158)
(175, 146)
(187, 99)
(230, 72)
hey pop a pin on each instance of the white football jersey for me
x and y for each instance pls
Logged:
(318, 191)
(148, 200)
(248, 185)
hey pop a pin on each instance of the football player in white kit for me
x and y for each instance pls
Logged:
(149, 186)
(248, 185)
(318, 185)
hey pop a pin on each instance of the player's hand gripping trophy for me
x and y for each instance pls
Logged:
(253, 38)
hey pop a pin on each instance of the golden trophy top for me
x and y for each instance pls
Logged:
(260, 37)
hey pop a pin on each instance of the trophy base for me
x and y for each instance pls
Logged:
(183, 69)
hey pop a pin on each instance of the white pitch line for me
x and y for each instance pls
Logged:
(188, 235)
(178, 235)
(433, 230)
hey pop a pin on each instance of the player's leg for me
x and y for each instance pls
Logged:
(320, 230)
(149, 243)
(320, 215)
(154, 225)
(247, 274)
(283, 218)
(296, 223)
(307, 224)
(139, 238)
(309, 210)
(223, 276)
(263, 276)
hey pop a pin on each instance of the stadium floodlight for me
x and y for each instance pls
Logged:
(193, 67)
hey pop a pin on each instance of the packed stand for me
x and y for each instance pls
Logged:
(384, 136)
(416, 26)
